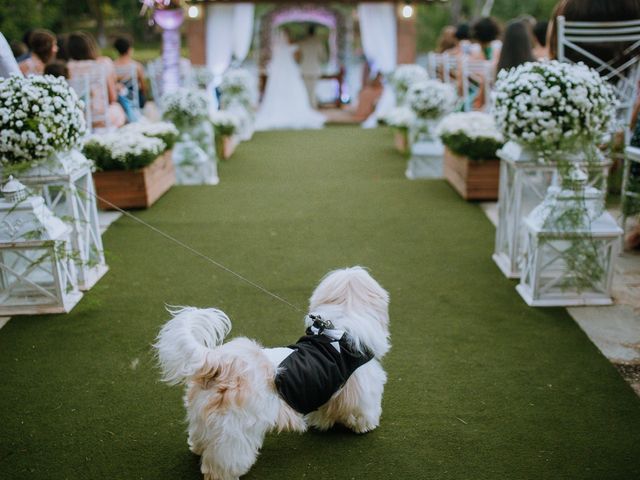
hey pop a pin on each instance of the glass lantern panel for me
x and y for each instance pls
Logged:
(28, 276)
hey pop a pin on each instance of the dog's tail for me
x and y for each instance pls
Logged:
(187, 340)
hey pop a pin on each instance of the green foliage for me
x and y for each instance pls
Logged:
(104, 160)
(478, 149)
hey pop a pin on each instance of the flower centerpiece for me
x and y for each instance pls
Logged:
(553, 107)
(430, 100)
(185, 108)
(40, 116)
(237, 86)
(401, 120)
(404, 77)
(225, 125)
(202, 77)
(470, 164)
(165, 131)
(134, 169)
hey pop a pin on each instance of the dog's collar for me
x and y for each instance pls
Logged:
(320, 326)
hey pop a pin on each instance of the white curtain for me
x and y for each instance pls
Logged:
(242, 30)
(8, 64)
(219, 34)
(380, 44)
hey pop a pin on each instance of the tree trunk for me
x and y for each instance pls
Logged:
(456, 11)
(96, 10)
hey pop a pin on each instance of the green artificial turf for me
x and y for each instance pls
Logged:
(480, 385)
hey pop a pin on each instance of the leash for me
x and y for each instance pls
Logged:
(192, 250)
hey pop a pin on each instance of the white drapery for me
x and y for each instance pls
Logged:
(242, 30)
(8, 64)
(379, 42)
(229, 29)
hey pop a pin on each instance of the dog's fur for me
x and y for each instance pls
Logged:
(231, 399)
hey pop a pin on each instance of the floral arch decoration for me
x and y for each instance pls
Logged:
(331, 18)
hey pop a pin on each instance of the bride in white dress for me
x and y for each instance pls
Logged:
(285, 104)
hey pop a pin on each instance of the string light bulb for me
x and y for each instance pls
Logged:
(407, 11)
(193, 11)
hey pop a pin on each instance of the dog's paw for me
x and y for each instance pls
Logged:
(361, 424)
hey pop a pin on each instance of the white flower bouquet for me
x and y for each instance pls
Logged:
(39, 115)
(431, 99)
(185, 108)
(401, 118)
(238, 85)
(165, 131)
(122, 150)
(552, 106)
(470, 134)
(404, 77)
(224, 123)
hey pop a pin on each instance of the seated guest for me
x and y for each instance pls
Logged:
(485, 32)
(516, 46)
(540, 48)
(447, 39)
(63, 54)
(25, 42)
(125, 50)
(19, 49)
(85, 59)
(43, 49)
(57, 69)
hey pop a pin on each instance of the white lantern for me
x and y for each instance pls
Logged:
(569, 262)
(37, 271)
(523, 185)
(66, 184)
(427, 151)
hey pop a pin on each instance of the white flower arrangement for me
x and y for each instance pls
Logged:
(470, 134)
(225, 123)
(165, 131)
(185, 107)
(123, 150)
(400, 117)
(238, 85)
(430, 99)
(39, 115)
(404, 76)
(553, 106)
(202, 76)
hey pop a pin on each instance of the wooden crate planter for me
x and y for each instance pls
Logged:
(473, 180)
(135, 188)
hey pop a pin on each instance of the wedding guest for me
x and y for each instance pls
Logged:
(8, 64)
(486, 31)
(85, 59)
(540, 48)
(516, 46)
(19, 49)
(43, 47)
(447, 40)
(125, 51)
(57, 69)
(25, 41)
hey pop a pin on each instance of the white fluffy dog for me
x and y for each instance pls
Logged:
(235, 392)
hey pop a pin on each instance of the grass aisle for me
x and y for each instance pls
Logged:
(480, 386)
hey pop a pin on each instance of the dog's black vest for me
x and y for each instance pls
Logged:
(316, 369)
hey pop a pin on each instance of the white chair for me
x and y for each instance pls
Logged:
(574, 40)
(95, 74)
(442, 66)
(80, 85)
(154, 72)
(477, 77)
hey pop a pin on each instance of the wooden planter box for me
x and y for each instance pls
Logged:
(135, 188)
(401, 141)
(225, 146)
(473, 180)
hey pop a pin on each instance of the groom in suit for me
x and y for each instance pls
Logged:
(313, 54)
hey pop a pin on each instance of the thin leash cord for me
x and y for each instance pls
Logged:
(192, 250)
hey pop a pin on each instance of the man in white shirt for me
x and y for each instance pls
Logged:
(313, 54)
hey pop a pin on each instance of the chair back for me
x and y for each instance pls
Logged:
(96, 75)
(80, 85)
(576, 42)
(477, 78)
(154, 72)
(442, 66)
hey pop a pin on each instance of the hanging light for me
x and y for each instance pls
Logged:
(407, 10)
(193, 12)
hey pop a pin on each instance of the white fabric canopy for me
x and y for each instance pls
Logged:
(219, 34)
(242, 30)
(380, 44)
(378, 33)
